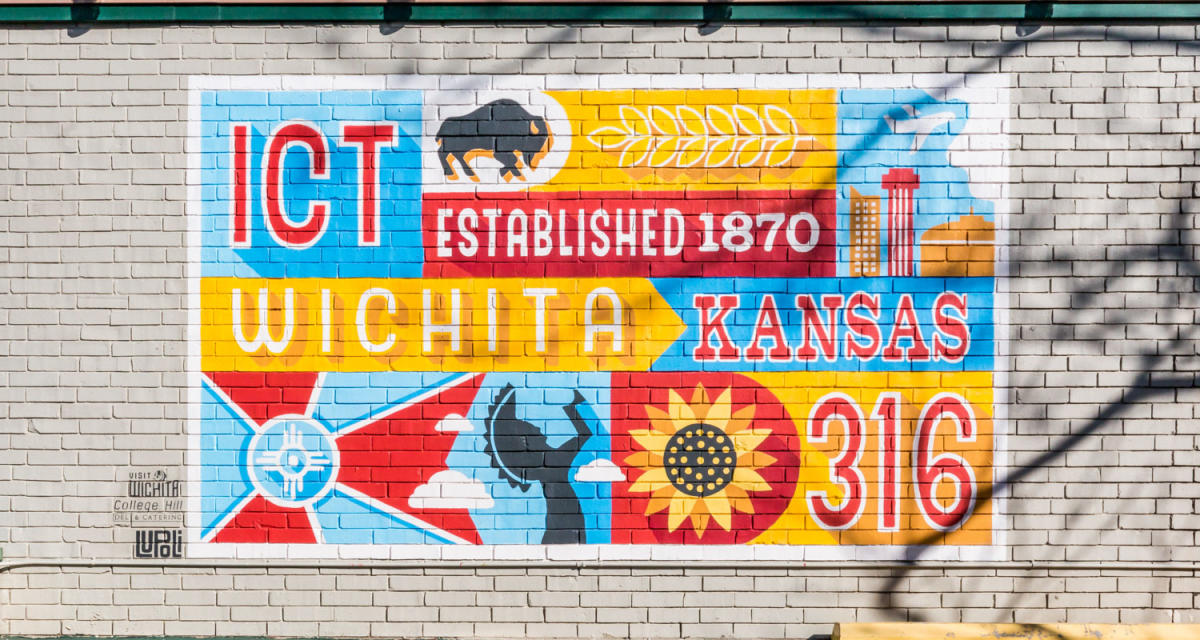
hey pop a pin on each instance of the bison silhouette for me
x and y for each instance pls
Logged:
(501, 129)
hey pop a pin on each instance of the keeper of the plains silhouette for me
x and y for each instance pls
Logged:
(523, 455)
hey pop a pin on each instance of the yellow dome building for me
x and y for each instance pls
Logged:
(963, 247)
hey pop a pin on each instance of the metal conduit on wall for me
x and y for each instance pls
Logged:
(299, 12)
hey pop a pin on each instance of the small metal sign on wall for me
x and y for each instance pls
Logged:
(646, 322)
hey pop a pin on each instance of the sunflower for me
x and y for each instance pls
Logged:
(700, 460)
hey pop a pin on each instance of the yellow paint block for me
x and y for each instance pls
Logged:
(916, 389)
(964, 631)
(507, 324)
(702, 139)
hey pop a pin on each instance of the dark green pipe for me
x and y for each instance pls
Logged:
(606, 12)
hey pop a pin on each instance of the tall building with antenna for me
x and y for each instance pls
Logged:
(900, 185)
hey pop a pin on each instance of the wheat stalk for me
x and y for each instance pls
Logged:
(683, 137)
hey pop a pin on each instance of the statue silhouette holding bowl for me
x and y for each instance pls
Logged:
(522, 454)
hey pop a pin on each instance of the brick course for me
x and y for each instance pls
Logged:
(1103, 310)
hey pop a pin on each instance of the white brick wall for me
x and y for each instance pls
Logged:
(1103, 316)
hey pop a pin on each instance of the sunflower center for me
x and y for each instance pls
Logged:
(700, 460)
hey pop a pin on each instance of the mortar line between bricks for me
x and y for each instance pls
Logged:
(844, 11)
(1175, 567)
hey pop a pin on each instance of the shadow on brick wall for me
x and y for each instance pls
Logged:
(1147, 338)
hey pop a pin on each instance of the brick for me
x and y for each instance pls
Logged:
(1101, 142)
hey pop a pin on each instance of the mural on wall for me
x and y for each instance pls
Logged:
(425, 314)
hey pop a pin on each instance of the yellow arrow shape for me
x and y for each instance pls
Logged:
(359, 324)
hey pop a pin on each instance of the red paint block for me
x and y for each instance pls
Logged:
(777, 233)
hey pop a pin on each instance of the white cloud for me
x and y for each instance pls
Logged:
(451, 490)
(454, 423)
(599, 470)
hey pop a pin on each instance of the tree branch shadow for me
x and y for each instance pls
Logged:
(1157, 372)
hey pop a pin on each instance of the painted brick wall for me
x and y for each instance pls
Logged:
(1101, 411)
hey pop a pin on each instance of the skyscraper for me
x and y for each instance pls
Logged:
(864, 234)
(900, 185)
